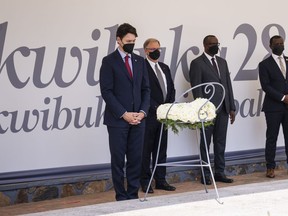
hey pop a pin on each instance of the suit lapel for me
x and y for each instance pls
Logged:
(286, 63)
(276, 67)
(135, 66)
(120, 62)
(221, 68)
(153, 75)
(165, 72)
(168, 82)
(212, 70)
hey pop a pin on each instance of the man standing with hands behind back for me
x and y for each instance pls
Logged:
(162, 91)
(124, 85)
(210, 68)
(273, 79)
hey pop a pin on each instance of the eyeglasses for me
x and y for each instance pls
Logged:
(213, 44)
(152, 49)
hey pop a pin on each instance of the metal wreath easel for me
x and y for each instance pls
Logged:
(208, 88)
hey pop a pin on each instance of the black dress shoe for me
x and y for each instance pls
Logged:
(207, 180)
(165, 186)
(222, 178)
(144, 189)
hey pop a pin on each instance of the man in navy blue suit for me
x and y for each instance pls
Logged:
(124, 85)
(274, 82)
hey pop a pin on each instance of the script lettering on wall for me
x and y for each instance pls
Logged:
(91, 116)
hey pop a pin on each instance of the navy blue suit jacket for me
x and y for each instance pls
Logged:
(273, 84)
(120, 92)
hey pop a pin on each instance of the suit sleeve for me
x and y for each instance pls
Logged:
(230, 90)
(107, 86)
(195, 76)
(266, 83)
(145, 90)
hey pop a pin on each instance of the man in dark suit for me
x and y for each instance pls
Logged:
(210, 68)
(273, 79)
(162, 91)
(124, 85)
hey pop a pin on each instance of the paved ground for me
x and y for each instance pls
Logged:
(188, 195)
(241, 200)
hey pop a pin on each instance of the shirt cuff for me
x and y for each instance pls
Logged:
(283, 98)
(123, 114)
(145, 115)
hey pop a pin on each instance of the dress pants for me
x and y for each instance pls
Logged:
(218, 131)
(127, 142)
(151, 142)
(273, 122)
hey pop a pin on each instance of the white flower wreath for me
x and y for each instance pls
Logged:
(187, 115)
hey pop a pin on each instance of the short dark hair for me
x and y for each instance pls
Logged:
(274, 37)
(206, 38)
(124, 29)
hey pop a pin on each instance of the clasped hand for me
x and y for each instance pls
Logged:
(285, 99)
(133, 118)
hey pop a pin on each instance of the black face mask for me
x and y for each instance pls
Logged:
(278, 49)
(155, 54)
(128, 47)
(213, 50)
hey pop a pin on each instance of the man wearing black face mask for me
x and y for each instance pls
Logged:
(210, 68)
(162, 91)
(124, 85)
(273, 79)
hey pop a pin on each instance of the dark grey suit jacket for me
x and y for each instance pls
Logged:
(202, 71)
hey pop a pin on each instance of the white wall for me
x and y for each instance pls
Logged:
(47, 28)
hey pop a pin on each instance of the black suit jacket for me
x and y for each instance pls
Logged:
(202, 71)
(273, 84)
(120, 92)
(156, 98)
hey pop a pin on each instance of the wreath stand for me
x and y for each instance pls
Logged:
(208, 88)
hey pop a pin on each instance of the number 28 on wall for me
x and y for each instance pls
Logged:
(251, 35)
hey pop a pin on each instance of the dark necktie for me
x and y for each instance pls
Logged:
(128, 66)
(215, 66)
(161, 81)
